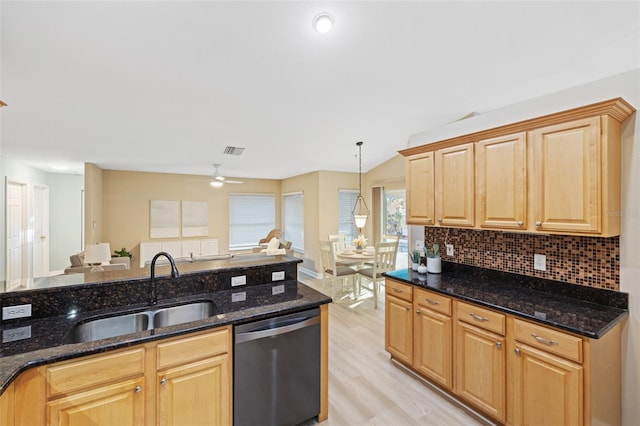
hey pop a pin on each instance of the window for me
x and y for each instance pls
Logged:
(251, 217)
(293, 220)
(346, 224)
(395, 217)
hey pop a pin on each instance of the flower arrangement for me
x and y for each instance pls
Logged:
(360, 242)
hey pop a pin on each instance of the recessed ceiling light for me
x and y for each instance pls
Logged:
(323, 22)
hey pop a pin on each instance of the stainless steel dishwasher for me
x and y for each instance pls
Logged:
(276, 370)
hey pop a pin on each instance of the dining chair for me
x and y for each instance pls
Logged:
(333, 272)
(385, 261)
(340, 243)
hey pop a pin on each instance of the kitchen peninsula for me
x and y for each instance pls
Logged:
(48, 369)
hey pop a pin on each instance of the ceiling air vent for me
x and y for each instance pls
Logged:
(233, 150)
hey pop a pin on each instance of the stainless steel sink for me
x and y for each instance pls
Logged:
(183, 313)
(110, 327)
(119, 325)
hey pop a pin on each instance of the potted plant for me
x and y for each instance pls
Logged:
(415, 260)
(434, 263)
(123, 252)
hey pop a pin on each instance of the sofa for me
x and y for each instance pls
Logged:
(79, 267)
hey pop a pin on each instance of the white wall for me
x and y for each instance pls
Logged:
(64, 223)
(627, 86)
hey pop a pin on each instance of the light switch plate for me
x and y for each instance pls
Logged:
(277, 289)
(449, 249)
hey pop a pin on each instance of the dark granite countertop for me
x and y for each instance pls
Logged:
(59, 310)
(585, 311)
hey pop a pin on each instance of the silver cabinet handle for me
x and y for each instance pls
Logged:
(516, 351)
(417, 311)
(429, 220)
(544, 341)
(397, 290)
(440, 220)
(163, 381)
(138, 389)
(408, 308)
(538, 223)
(498, 344)
(432, 302)
(478, 318)
(520, 223)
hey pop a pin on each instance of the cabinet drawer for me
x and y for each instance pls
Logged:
(93, 370)
(192, 348)
(433, 301)
(401, 291)
(544, 338)
(481, 317)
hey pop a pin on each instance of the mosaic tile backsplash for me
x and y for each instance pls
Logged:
(588, 261)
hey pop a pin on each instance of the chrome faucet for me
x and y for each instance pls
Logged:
(153, 294)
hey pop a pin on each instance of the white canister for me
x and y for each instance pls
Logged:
(434, 265)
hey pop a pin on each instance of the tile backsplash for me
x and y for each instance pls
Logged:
(588, 261)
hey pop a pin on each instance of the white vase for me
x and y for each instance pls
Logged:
(434, 265)
(422, 269)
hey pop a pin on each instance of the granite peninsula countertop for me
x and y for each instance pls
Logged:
(59, 309)
(582, 310)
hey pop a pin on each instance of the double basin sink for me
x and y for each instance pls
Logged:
(122, 324)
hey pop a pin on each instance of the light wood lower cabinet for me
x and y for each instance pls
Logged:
(480, 354)
(182, 380)
(515, 371)
(6, 406)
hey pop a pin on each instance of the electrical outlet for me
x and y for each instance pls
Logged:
(419, 245)
(449, 249)
(539, 262)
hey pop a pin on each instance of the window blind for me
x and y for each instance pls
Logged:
(293, 220)
(251, 217)
(346, 224)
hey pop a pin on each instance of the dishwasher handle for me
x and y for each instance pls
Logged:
(261, 334)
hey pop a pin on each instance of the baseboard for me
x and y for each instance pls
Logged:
(309, 272)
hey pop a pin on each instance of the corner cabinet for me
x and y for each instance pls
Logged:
(557, 174)
(515, 371)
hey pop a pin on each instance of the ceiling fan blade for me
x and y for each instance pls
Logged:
(233, 181)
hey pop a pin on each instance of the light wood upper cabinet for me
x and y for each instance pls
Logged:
(420, 189)
(454, 180)
(555, 174)
(501, 182)
(567, 176)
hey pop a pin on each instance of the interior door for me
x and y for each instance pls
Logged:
(41, 230)
(15, 228)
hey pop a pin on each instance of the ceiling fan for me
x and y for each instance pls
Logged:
(218, 180)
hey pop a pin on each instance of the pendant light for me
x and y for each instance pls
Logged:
(360, 210)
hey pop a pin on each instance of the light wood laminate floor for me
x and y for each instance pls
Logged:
(365, 386)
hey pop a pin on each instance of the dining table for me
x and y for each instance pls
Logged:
(355, 258)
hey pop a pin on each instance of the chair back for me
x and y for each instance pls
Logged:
(327, 258)
(341, 239)
(385, 257)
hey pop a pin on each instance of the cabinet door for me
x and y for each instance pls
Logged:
(567, 177)
(433, 346)
(398, 330)
(548, 390)
(6, 406)
(420, 189)
(501, 182)
(454, 180)
(196, 394)
(115, 404)
(480, 369)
